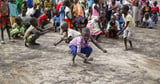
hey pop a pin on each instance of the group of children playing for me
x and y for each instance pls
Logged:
(79, 21)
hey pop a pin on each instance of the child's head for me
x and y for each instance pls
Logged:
(113, 18)
(146, 15)
(64, 27)
(66, 3)
(57, 13)
(102, 14)
(24, 12)
(96, 1)
(34, 22)
(155, 3)
(18, 20)
(113, 2)
(76, 1)
(125, 9)
(147, 3)
(85, 33)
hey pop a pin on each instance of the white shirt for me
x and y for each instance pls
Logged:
(30, 11)
(69, 13)
(73, 33)
(117, 24)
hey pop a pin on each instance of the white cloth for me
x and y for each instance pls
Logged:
(69, 13)
(129, 33)
(117, 24)
(73, 33)
(30, 11)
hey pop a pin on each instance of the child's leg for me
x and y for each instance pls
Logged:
(73, 51)
(8, 31)
(125, 43)
(130, 42)
(2, 34)
(97, 37)
(125, 35)
(88, 50)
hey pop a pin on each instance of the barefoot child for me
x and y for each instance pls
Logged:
(80, 45)
(128, 28)
(33, 33)
(69, 34)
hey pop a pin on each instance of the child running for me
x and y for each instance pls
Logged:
(128, 28)
(80, 45)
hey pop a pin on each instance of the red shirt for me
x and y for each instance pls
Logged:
(43, 17)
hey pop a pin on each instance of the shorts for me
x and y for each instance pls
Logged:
(128, 33)
(4, 20)
(79, 19)
(73, 50)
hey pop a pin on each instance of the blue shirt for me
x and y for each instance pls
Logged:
(90, 3)
(62, 12)
(12, 9)
(30, 3)
(56, 19)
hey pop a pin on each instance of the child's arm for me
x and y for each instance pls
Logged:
(123, 28)
(68, 17)
(62, 39)
(98, 46)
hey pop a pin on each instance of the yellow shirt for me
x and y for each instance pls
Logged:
(129, 19)
(78, 10)
(48, 4)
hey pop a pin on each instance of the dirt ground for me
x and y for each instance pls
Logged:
(48, 64)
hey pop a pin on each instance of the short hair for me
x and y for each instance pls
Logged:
(33, 20)
(64, 24)
(126, 7)
(85, 31)
(17, 19)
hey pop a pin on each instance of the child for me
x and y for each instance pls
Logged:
(136, 12)
(4, 19)
(25, 19)
(68, 14)
(69, 34)
(113, 28)
(95, 9)
(62, 14)
(12, 11)
(155, 11)
(31, 11)
(43, 19)
(78, 12)
(128, 28)
(56, 20)
(146, 9)
(80, 45)
(17, 28)
(147, 21)
(48, 5)
(33, 33)
(120, 20)
(114, 6)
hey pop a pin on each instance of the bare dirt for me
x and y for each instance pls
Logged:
(48, 64)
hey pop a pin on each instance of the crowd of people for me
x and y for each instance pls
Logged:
(79, 21)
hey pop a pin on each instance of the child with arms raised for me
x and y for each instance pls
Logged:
(128, 28)
(80, 45)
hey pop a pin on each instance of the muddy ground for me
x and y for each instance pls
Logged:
(48, 64)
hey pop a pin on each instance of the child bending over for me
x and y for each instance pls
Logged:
(17, 28)
(147, 21)
(128, 28)
(80, 45)
(68, 34)
(33, 33)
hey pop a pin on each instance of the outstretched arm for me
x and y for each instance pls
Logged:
(62, 39)
(98, 46)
